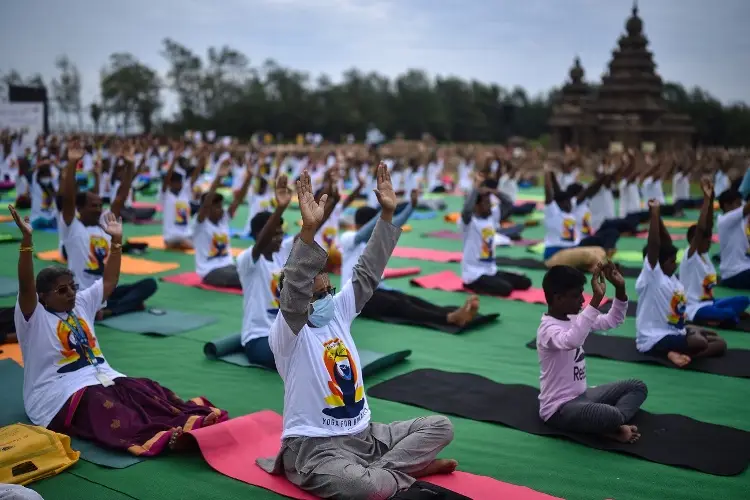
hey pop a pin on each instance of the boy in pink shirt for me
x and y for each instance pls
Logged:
(565, 401)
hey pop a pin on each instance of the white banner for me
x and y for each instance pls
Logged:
(26, 116)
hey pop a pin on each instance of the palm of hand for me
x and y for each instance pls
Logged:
(283, 197)
(312, 213)
(113, 228)
(387, 197)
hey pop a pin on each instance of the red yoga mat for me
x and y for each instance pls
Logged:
(449, 281)
(400, 272)
(192, 279)
(146, 204)
(232, 447)
(426, 254)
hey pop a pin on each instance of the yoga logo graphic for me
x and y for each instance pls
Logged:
(46, 200)
(275, 292)
(586, 224)
(676, 317)
(488, 244)
(181, 213)
(219, 244)
(709, 282)
(347, 396)
(98, 255)
(747, 235)
(73, 353)
(329, 237)
(568, 229)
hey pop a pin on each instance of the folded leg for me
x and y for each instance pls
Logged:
(131, 297)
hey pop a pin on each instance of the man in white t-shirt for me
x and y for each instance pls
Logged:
(660, 314)
(734, 240)
(259, 268)
(214, 261)
(176, 211)
(43, 189)
(479, 270)
(698, 275)
(86, 245)
(330, 448)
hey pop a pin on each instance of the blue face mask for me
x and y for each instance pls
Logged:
(322, 311)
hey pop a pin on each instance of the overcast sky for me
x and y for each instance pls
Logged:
(510, 42)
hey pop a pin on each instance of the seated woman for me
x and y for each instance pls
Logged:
(385, 301)
(479, 270)
(565, 401)
(176, 212)
(43, 188)
(214, 261)
(329, 447)
(660, 316)
(564, 223)
(698, 275)
(68, 385)
(734, 240)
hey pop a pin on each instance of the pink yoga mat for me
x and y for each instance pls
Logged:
(146, 222)
(447, 234)
(232, 447)
(192, 279)
(147, 204)
(400, 272)
(449, 281)
(426, 254)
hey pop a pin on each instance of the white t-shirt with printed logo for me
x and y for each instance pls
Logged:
(259, 203)
(680, 187)
(582, 213)
(55, 365)
(698, 276)
(42, 202)
(176, 220)
(661, 306)
(479, 249)
(213, 247)
(734, 242)
(87, 248)
(324, 394)
(260, 290)
(328, 235)
(561, 228)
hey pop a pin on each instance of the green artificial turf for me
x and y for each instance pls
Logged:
(553, 466)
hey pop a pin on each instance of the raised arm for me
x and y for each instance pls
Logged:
(654, 234)
(283, 198)
(305, 261)
(402, 217)
(551, 187)
(705, 220)
(368, 271)
(112, 225)
(208, 199)
(592, 188)
(470, 201)
(241, 193)
(69, 187)
(361, 181)
(27, 298)
(125, 183)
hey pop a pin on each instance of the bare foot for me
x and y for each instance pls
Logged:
(626, 434)
(210, 419)
(679, 359)
(438, 466)
(464, 314)
(474, 303)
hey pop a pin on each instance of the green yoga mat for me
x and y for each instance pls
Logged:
(8, 286)
(12, 412)
(156, 322)
(8, 238)
(229, 350)
(632, 257)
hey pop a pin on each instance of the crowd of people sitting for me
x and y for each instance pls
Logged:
(86, 189)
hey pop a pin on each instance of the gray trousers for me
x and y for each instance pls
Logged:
(601, 409)
(225, 277)
(372, 465)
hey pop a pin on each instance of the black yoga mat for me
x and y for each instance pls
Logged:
(666, 439)
(734, 363)
(421, 490)
(742, 326)
(532, 263)
(478, 321)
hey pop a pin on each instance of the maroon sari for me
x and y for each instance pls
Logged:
(134, 414)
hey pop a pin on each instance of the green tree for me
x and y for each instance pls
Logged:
(95, 111)
(66, 90)
(130, 91)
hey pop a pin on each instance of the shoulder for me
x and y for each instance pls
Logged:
(347, 239)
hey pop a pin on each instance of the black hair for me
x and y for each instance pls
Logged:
(574, 189)
(490, 183)
(560, 279)
(363, 215)
(666, 251)
(691, 232)
(262, 183)
(729, 196)
(81, 198)
(562, 197)
(47, 277)
(176, 176)
(259, 221)
(217, 199)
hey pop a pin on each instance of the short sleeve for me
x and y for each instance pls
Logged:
(90, 300)
(245, 262)
(71, 230)
(281, 338)
(552, 210)
(345, 303)
(346, 240)
(730, 218)
(20, 322)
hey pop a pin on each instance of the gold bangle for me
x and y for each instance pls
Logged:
(26, 249)
(116, 245)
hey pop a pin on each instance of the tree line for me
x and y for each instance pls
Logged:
(223, 92)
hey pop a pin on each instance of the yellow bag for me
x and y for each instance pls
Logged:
(29, 453)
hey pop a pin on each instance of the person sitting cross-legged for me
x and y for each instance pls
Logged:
(330, 447)
(734, 240)
(69, 387)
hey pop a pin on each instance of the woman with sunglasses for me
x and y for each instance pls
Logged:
(68, 385)
(330, 447)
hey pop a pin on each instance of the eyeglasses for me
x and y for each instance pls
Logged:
(328, 291)
(64, 289)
